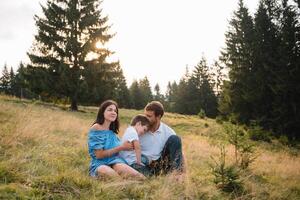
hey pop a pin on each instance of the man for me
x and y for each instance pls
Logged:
(160, 144)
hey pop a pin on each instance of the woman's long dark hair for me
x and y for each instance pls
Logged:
(114, 126)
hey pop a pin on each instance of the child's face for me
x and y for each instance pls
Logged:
(141, 129)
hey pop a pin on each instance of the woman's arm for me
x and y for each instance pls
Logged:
(137, 149)
(100, 153)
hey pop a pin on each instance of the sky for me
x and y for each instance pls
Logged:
(154, 38)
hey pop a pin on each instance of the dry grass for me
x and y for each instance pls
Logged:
(43, 155)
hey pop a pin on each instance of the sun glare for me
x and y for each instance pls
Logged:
(99, 45)
(91, 56)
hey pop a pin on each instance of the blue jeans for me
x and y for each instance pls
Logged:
(144, 169)
(171, 159)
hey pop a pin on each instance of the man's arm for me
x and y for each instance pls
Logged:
(137, 149)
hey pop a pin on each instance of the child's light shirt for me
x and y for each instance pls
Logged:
(130, 135)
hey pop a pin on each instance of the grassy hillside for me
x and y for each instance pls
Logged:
(43, 155)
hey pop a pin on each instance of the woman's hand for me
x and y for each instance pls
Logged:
(127, 146)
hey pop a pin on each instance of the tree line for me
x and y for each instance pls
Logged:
(255, 81)
(193, 93)
(262, 54)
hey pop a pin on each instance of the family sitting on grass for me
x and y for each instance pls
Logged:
(148, 147)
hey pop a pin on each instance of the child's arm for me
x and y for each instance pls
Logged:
(100, 153)
(137, 149)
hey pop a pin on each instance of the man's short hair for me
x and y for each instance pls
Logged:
(155, 106)
(140, 118)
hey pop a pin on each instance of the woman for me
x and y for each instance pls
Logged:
(104, 145)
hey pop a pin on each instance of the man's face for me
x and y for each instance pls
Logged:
(152, 118)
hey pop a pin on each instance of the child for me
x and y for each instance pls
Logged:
(139, 125)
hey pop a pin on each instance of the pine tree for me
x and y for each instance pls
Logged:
(20, 81)
(66, 44)
(201, 92)
(181, 104)
(100, 81)
(286, 114)
(39, 82)
(219, 77)
(171, 91)
(157, 94)
(122, 95)
(12, 82)
(5, 81)
(225, 105)
(136, 95)
(265, 62)
(170, 96)
(238, 58)
(145, 88)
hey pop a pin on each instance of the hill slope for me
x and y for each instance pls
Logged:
(43, 155)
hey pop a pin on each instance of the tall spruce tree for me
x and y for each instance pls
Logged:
(147, 95)
(181, 104)
(238, 57)
(65, 43)
(224, 103)
(121, 92)
(21, 88)
(202, 96)
(170, 97)
(286, 114)
(136, 95)
(171, 91)
(266, 61)
(12, 78)
(157, 94)
(5, 81)
(219, 77)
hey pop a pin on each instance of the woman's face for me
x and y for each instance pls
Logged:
(110, 113)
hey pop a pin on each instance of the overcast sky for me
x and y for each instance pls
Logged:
(154, 38)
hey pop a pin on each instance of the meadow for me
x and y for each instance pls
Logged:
(43, 155)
